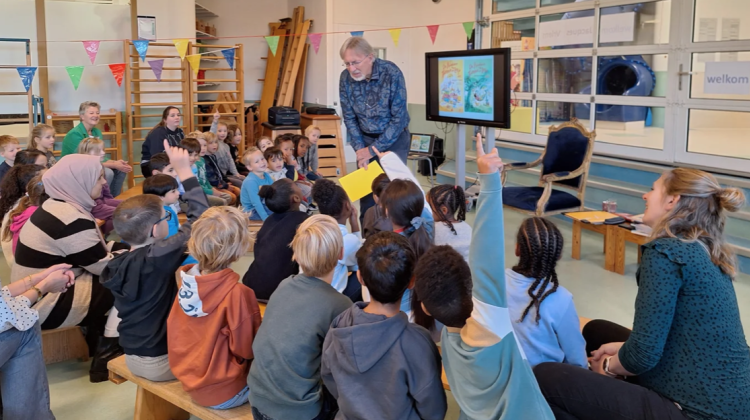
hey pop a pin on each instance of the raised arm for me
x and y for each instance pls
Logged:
(395, 168)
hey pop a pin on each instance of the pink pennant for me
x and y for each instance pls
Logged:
(315, 40)
(433, 29)
(92, 49)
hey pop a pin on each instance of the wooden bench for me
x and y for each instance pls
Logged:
(167, 400)
(64, 344)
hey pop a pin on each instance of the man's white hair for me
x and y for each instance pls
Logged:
(358, 44)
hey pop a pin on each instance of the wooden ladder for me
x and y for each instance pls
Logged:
(273, 65)
(297, 40)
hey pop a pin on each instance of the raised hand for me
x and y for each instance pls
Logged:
(488, 163)
(180, 160)
(217, 115)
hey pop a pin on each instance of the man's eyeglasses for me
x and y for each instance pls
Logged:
(354, 63)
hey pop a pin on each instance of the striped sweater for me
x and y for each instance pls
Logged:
(58, 233)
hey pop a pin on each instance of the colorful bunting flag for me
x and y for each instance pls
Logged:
(468, 28)
(156, 67)
(229, 55)
(27, 76)
(273, 43)
(395, 35)
(358, 33)
(181, 45)
(195, 63)
(75, 72)
(92, 48)
(315, 41)
(433, 30)
(141, 45)
(118, 71)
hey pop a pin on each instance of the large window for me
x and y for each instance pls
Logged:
(653, 89)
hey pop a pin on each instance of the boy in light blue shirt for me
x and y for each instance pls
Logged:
(165, 187)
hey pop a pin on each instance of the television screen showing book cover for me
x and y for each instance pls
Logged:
(466, 87)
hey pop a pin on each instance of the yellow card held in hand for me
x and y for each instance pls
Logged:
(359, 183)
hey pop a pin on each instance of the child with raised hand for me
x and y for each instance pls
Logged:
(375, 219)
(42, 138)
(256, 178)
(483, 359)
(226, 155)
(333, 201)
(9, 147)
(549, 332)
(214, 318)
(142, 280)
(216, 178)
(373, 344)
(284, 379)
(273, 257)
(198, 168)
(106, 203)
(312, 132)
(448, 204)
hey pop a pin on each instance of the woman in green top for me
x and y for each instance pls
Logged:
(686, 356)
(115, 170)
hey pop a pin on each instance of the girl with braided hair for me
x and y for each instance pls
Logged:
(549, 332)
(448, 203)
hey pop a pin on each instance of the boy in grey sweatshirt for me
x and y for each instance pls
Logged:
(375, 362)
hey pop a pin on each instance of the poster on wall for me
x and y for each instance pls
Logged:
(466, 87)
(147, 27)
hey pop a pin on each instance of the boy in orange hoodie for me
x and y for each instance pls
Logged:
(211, 327)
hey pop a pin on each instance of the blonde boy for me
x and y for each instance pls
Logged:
(285, 376)
(200, 169)
(312, 132)
(213, 301)
(9, 147)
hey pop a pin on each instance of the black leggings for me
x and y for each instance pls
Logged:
(580, 394)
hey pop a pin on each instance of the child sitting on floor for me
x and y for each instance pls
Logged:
(142, 280)
(17, 217)
(273, 257)
(216, 178)
(256, 178)
(42, 138)
(159, 164)
(30, 157)
(9, 146)
(214, 318)
(285, 378)
(375, 219)
(333, 201)
(165, 187)
(482, 356)
(301, 147)
(312, 132)
(549, 332)
(264, 143)
(198, 168)
(448, 204)
(373, 344)
(106, 204)
(226, 154)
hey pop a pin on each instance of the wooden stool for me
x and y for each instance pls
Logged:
(331, 156)
(64, 344)
(167, 400)
(274, 131)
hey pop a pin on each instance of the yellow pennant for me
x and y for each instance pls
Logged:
(195, 63)
(395, 35)
(181, 45)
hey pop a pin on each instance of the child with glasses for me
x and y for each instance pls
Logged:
(142, 280)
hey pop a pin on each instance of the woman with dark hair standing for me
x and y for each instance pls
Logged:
(686, 356)
(167, 129)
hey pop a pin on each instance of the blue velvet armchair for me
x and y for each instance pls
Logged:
(565, 164)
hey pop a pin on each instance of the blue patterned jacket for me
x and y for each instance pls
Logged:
(375, 106)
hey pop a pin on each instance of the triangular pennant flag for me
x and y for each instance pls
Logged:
(75, 72)
(195, 63)
(358, 33)
(156, 67)
(468, 28)
(92, 48)
(181, 45)
(141, 45)
(118, 70)
(273, 43)
(229, 55)
(315, 41)
(27, 76)
(433, 29)
(395, 35)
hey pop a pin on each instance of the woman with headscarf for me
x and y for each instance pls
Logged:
(63, 230)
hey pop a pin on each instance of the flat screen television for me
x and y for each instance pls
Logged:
(469, 87)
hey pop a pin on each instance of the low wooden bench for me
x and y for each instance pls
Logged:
(64, 344)
(167, 400)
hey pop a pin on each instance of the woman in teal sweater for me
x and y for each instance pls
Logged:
(686, 357)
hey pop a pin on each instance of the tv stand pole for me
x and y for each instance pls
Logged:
(461, 156)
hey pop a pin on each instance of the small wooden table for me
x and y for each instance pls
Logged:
(619, 237)
(605, 230)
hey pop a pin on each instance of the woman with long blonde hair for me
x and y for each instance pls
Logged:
(686, 356)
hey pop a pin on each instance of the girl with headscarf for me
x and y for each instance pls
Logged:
(63, 230)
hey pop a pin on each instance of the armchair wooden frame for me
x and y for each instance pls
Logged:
(550, 180)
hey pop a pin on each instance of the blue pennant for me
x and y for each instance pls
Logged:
(27, 76)
(229, 55)
(358, 33)
(141, 46)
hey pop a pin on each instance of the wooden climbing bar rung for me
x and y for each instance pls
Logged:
(149, 68)
(223, 47)
(14, 93)
(218, 91)
(157, 44)
(156, 91)
(218, 80)
(155, 56)
(223, 113)
(160, 104)
(156, 81)
(214, 103)
(146, 115)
